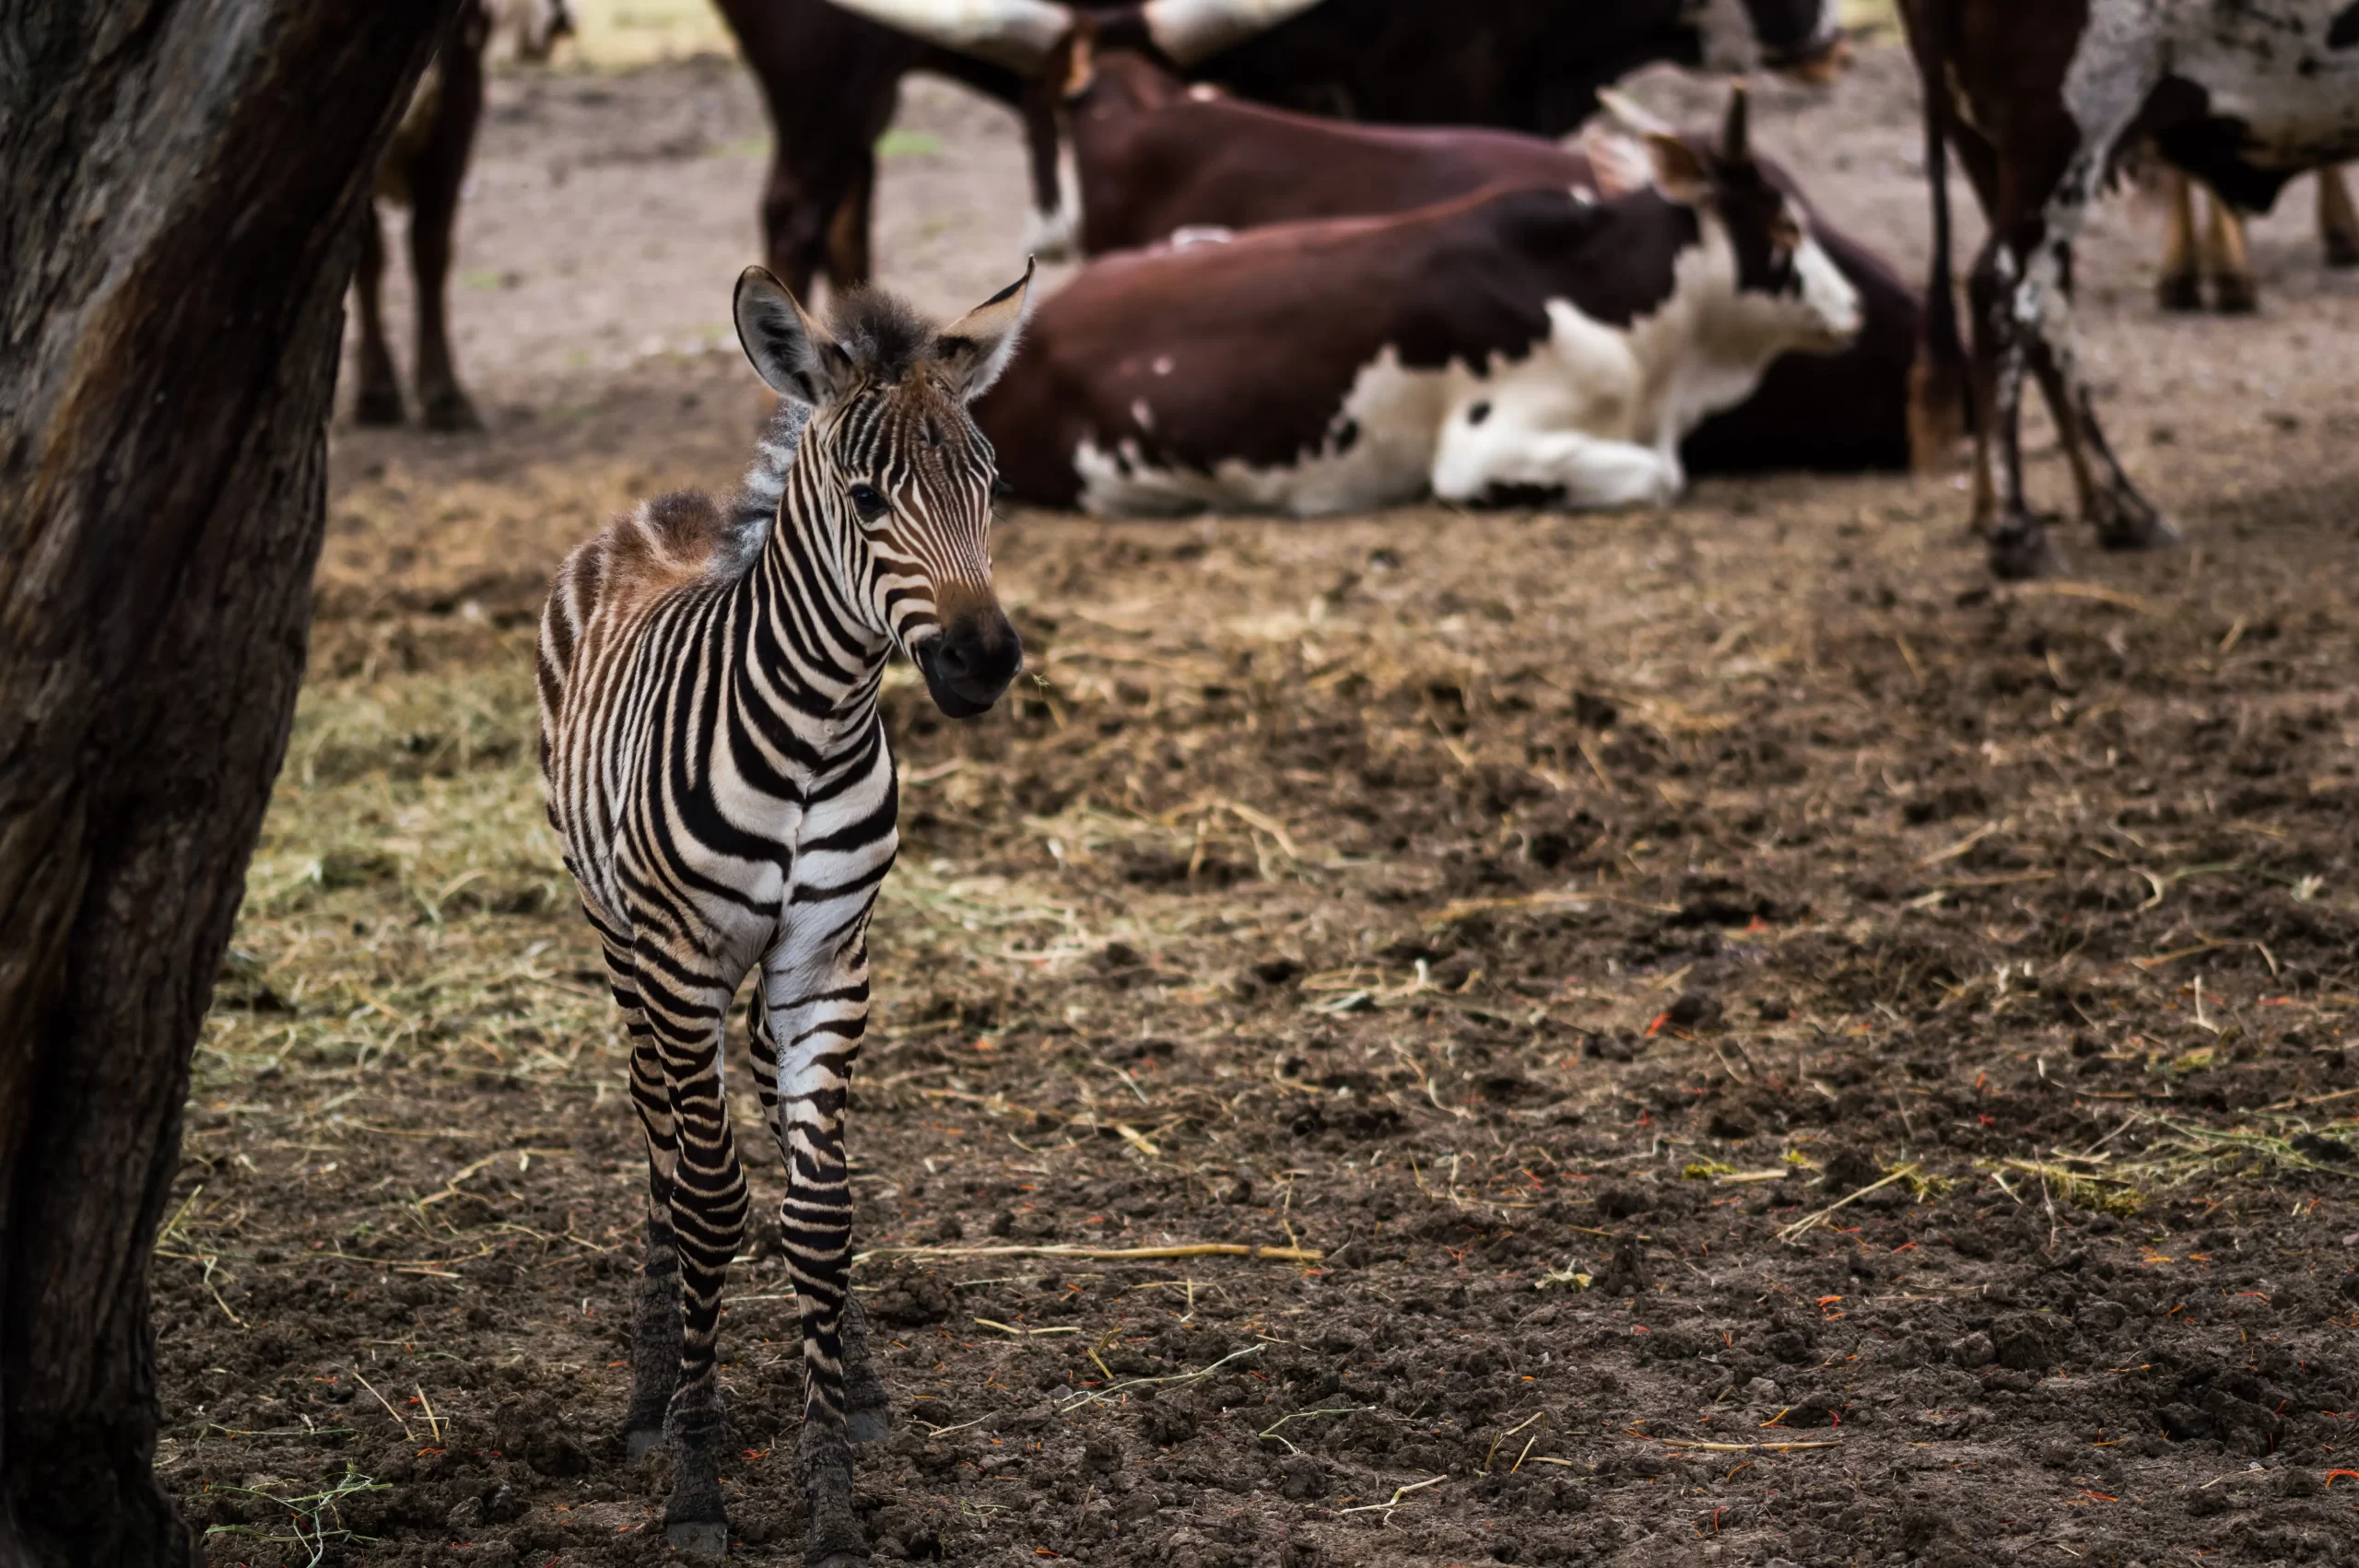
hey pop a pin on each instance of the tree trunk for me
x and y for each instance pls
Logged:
(179, 181)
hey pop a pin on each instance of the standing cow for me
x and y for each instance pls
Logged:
(424, 170)
(2041, 100)
(1155, 156)
(1518, 344)
(830, 77)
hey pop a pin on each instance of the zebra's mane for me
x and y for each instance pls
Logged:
(886, 337)
(754, 507)
(883, 334)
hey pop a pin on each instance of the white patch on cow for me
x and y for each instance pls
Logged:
(1141, 415)
(1189, 234)
(1593, 412)
(1391, 412)
(1162, 365)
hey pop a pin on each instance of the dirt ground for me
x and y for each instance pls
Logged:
(1788, 1054)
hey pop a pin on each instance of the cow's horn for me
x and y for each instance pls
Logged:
(1733, 148)
(1189, 30)
(1016, 33)
(1632, 115)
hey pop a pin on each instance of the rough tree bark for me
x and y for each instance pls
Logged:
(179, 180)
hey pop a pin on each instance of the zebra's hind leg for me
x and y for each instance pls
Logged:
(867, 1409)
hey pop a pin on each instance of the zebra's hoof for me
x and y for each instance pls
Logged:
(837, 1558)
(703, 1540)
(874, 1424)
(642, 1440)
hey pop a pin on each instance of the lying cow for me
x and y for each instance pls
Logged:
(2042, 101)
(1156, 156)
(1519, 343)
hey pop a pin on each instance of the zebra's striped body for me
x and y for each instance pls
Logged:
(718, 772)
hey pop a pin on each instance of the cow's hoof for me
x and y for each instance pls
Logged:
(641, 1441)
(2021, 551)
(2234, 296)
(700, 1540)
(2155, 533)
(377, 407)
(2127, 522)
(871, 1424)
(451, 413)
(2182, 294)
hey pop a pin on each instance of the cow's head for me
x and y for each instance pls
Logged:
(1784, 291)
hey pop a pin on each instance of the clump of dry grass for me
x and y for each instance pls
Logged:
(407, 902)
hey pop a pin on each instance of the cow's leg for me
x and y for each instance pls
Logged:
(2338, 219)
(1994, 346)
(2023, 321)
(379, 399)
(848, 230)
(1050, 229)
(2180, 287)
(1487, 452)
(436, 179)
(2228, 259)
(2123, 518)
(819, 1001)
(684, 997)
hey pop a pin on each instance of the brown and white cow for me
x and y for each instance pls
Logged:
(2041, 100)
(1156, 156)
(1518, 343)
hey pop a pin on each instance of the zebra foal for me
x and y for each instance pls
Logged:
(717, 771)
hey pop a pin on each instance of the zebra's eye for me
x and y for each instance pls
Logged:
(868, 503)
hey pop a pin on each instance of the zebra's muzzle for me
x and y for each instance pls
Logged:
(971, 664)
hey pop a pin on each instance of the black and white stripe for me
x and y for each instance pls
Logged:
(718, 772)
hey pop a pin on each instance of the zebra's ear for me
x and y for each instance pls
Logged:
(791, 354)
(976, 347)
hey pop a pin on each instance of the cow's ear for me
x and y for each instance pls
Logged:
(1680, 173)
(791, 354)
(976, 347)
(1617, 160)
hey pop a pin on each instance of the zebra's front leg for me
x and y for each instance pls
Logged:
(708, 1222)
(655, 1315)
(819, 1026)
(868, 1409)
